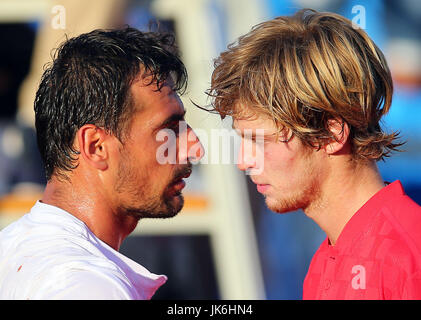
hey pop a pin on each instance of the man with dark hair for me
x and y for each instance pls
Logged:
(318, 87)
(98, 110)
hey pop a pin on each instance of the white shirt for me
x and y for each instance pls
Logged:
(50, 254)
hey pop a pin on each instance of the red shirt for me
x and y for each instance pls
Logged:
(377, 255)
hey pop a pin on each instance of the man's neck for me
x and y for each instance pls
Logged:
(343, 194)
(90, 207)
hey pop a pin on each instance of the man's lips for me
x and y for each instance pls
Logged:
(178, 184)
(183, 174)
(261, 187)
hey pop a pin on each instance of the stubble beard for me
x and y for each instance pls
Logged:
(306, 194)
(293, 202)
(144, 203)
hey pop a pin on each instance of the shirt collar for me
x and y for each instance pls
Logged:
(359, 223)
(145, 282)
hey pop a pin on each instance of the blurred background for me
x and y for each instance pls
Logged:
(224, 244)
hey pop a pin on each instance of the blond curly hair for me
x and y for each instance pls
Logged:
(304, 70)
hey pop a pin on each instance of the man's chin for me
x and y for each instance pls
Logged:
(167, 208)
(171, 206)
(282, 206)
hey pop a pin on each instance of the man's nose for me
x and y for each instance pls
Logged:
(246, 160)
(193, 150)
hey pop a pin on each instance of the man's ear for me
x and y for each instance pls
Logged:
(340, 131)
(93, 147)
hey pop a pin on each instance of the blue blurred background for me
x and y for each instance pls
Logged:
(287, 242)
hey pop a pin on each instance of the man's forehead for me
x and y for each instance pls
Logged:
(165, 114)
(146, 87)
(254, 123)
(153, 106)
(151, 96)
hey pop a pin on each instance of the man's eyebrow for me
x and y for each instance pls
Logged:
(255, 133)
(174, 117)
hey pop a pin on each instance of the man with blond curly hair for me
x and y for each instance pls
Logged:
(319, 88)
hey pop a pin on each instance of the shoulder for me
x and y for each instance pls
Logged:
(400, 251)
(69, 273)
(397, 231)
(55, 257)
(402, 225)
(82, 285)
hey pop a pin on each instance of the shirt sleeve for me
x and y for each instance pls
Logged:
(83, 285)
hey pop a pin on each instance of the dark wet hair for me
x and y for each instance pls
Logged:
(88, 82)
